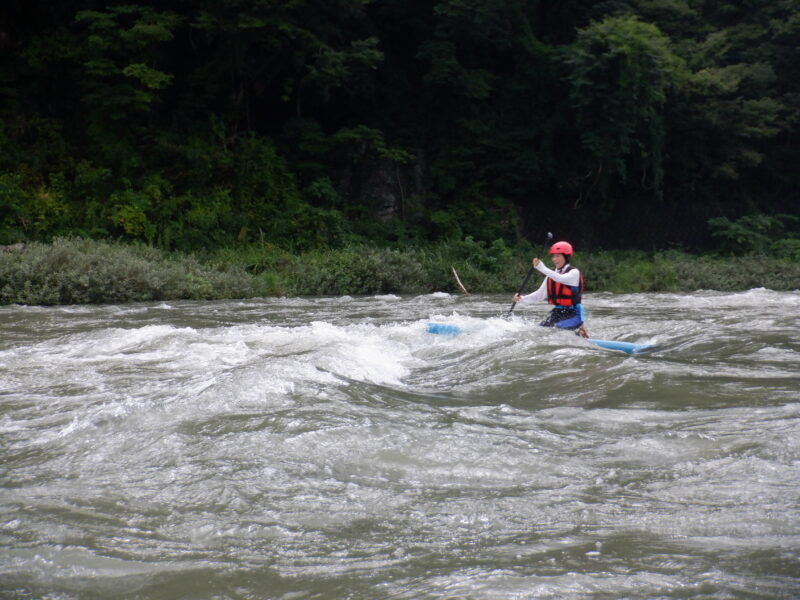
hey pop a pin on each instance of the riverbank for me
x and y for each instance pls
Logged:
(78, 271)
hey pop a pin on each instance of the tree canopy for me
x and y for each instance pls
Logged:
(622, 123)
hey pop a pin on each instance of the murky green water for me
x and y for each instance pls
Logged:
(331, 448)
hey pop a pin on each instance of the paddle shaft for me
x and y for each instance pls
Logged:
(521, 288)
(528, 276)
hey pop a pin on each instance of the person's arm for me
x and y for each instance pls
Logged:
(537, 296)
(572, 278)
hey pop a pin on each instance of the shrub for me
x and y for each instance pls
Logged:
(644, 275)
(749, 234)
(77, 271)
(728, 275)
(788, 248)
(598, 270)
(357, 270)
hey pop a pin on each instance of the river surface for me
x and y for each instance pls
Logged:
(329, 448)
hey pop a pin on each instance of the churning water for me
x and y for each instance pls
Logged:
(332, 448)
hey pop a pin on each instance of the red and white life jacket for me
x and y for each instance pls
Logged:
(564, 295)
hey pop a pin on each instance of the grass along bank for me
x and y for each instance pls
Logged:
(79, 271)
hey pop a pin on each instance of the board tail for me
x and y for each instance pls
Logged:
(628, 347)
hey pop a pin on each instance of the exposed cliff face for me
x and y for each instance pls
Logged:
(384, 192)
(384, 187)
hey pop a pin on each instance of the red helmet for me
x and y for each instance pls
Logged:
(561, 248)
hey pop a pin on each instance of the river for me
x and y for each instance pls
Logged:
(332, 448)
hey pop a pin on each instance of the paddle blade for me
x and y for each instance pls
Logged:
(443, 329)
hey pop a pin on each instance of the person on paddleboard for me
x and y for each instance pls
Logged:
(562, 287)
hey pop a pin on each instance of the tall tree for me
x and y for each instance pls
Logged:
(621, 72)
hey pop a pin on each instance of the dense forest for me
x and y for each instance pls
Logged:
(309, 125)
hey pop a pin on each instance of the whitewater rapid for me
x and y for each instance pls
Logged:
(331, 448)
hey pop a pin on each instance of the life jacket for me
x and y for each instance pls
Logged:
(564, 295)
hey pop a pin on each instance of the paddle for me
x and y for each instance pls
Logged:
(530, 272)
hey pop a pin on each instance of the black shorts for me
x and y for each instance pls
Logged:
(563, 317)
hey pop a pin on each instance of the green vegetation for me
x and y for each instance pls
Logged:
(310, 126)
(234, 148)
(74, 271)
(758, 233)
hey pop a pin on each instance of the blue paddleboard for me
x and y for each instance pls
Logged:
(628, 347)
